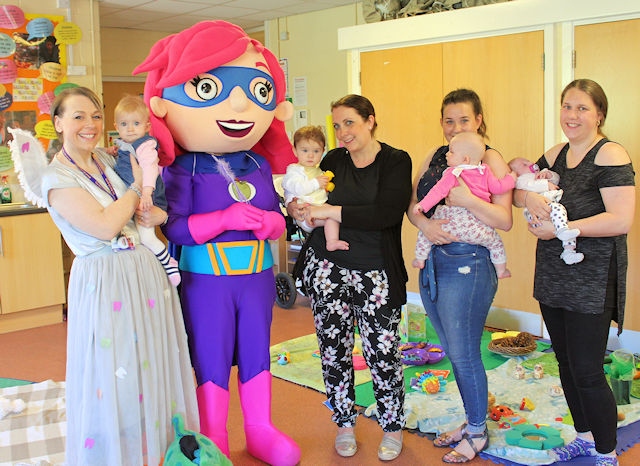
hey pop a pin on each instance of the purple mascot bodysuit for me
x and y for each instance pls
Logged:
(217, 109)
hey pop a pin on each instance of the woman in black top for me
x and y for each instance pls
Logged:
(579, 301)
(365, 284)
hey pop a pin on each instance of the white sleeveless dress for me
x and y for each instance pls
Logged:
(128, 365)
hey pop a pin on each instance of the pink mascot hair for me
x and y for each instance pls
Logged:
(205, 46)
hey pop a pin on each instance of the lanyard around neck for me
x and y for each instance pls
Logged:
(109, 190)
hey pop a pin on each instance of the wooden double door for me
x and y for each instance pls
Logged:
(407, 84)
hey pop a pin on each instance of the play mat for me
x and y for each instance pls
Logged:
(443, 411)
(436, 413)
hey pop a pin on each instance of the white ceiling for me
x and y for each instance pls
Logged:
(175, 15)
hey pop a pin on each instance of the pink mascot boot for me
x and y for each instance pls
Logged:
(264, 441)
(213, 406)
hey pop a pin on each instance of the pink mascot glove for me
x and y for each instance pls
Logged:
(238, 216)
(147, 156)
(273, 226)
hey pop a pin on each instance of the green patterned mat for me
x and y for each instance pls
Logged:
(305, 369)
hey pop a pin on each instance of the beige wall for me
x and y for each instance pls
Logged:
(118, 66)
(123, 50)
(312, 52)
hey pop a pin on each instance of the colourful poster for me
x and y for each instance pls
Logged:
(32, 65)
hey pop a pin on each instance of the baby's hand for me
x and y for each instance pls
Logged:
(544, 175)
(323, 181)
(146, 201)
(417, 209)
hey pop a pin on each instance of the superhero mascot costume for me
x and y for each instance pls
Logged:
(217, 100)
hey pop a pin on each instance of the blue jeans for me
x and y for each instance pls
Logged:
(457, 286)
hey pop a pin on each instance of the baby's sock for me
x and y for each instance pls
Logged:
(170, 266)
(570, 256)
(565, 234)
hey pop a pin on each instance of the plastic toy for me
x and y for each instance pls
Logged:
(534, 436)
(499, 411)
(527, 405)
(192, 448)
(428, 382)
(556, 390)
(538, 371)
(284, 358)
(330, 185)
(508, 334)
(421, 353)
(518, 372)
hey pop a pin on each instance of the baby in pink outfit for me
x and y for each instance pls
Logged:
(465, 161)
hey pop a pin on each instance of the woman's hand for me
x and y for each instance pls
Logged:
(538, 207)
(296, 210)
(543, 230)
(432, 230)
(461, 195)
(152, 217)
(315, 215)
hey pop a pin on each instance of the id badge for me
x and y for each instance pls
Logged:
(122, 242)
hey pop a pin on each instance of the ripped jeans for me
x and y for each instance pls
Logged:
(457, 286)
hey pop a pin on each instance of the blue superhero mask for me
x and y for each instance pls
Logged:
(218, 83)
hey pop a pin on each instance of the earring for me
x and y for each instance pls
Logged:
(598, 124)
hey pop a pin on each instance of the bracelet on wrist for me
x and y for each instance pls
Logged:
(525, 199)
(136, 190)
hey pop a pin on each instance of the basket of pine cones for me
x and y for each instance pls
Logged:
(518, 345)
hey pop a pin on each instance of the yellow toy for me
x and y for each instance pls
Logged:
(330, 186)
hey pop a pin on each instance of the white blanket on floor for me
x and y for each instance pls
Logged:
(35, 436)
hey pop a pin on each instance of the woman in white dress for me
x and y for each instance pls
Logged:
(128, 367)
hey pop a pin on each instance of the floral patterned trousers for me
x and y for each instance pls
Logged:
(340, 298)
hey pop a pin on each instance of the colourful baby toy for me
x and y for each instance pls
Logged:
(428, 382)
(330, 185)
(534, 436)
(421, 353)
(499, 411)
(284, 358)
(527, 405)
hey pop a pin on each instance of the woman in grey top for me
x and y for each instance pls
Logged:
(579, 301)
